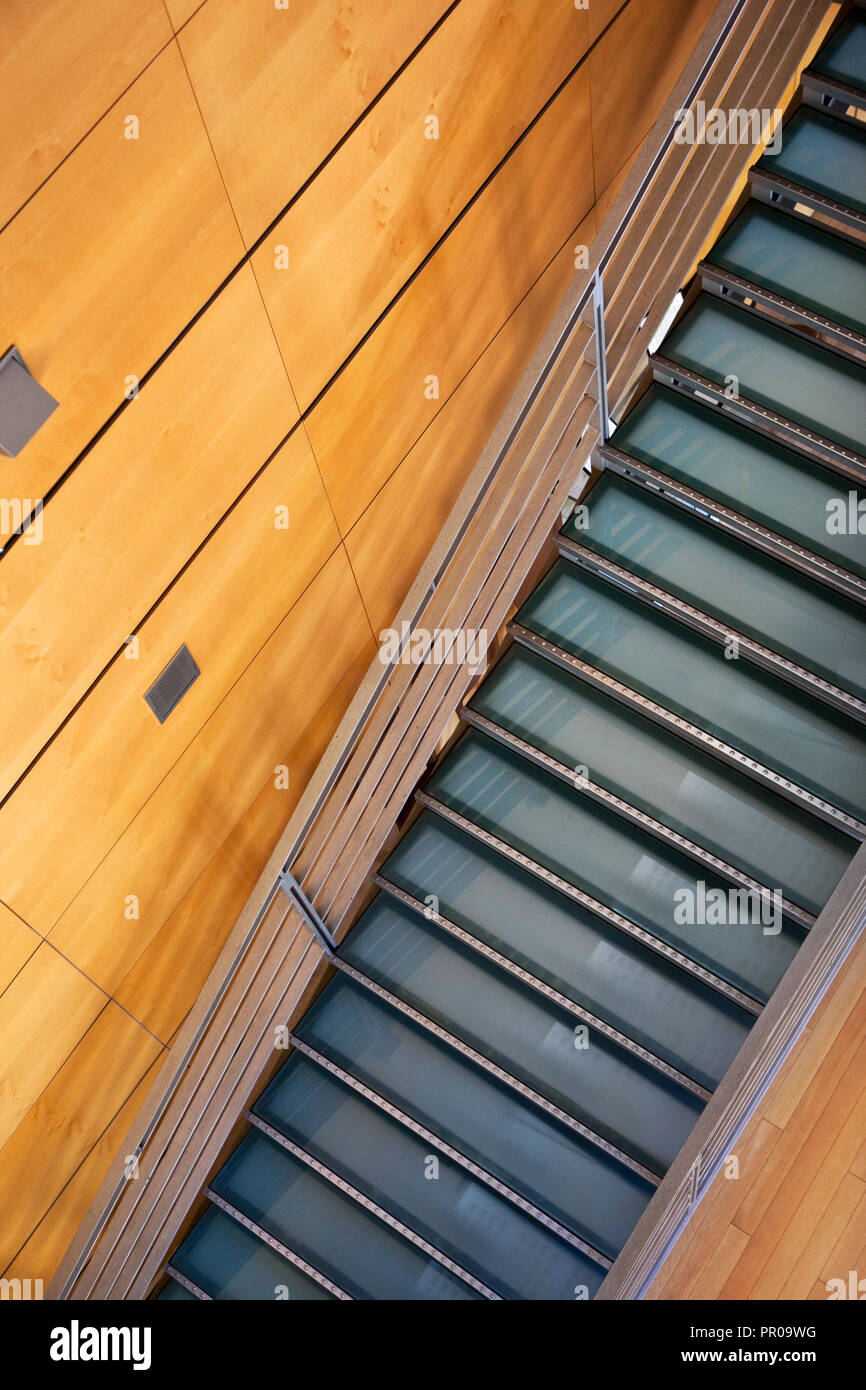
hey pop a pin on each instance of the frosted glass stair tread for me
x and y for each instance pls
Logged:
(786, 730)
(823, 154)
(691, 792)
(791, 257)
(229, 1262)
(598, 1083)
(509, 1251)
(748, 592)
(623, 867)
(728, 463)
(807, 384)
(173, 1292)
(572, 1180)
(679, 1019)
(843, 56)
(329, 1229)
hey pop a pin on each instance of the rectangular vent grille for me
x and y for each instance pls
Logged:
(172, 684)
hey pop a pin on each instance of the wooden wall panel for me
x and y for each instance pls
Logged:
(166, 980)
(386, 546)
(633, 69)
(17, 944)
(110, 260)
(360, 231)
(181, 11)
(607, 196)
(75, 1108)
(279, 88)
(91, 782)
(376, 409)
(195, 807)
(55, 1227)
(62, 64)
(136, 508)
(47, 1007)
(600, 13)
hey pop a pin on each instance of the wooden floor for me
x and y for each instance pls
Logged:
(273, 264)
(794, 1216)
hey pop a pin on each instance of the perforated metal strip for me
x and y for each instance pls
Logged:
(778, 309)
(561, 1000)
(287, 1253)
(831, 94)
(499, 1072)
(760, 417)
(456, 1156)
(775, 188)
(369, 1205)
(719, 632)
(599, 908)
(725, 751)
(188, 1284)
(594, 792)
(734, 523)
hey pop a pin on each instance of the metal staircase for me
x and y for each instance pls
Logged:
(648, 803)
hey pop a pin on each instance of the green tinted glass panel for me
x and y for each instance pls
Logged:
(710, 570)
(729, 463)
(227, 1261)
(631, 987)
(514, 1255)
(844, 55)
(807, 384)
(176, 1293)
(791, 257)
(568, 1177)
(330, 1230)
(626, 868)
(823, 154)
(602, 1085)
(687, 790)
(788, 731)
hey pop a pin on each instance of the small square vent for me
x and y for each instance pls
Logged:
(24, 404)
(172, 684)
